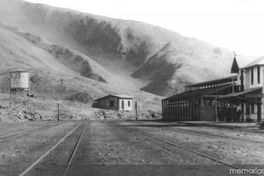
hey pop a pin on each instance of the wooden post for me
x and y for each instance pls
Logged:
(216, 113)
(190, 109)
(10, 96)
(243, 112)
(174, 109)
(259, 112)
(201, 113)
(58, 105)
(232, 113)
(177, 110)
(181, 110)
(162, 108)
(61, 88)
(136, 110)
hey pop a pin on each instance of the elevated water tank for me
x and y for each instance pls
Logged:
(19, 80)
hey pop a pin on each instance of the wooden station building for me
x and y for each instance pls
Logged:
(237, 98)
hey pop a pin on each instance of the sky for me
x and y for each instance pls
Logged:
(237, 25)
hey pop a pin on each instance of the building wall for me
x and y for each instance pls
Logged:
(110, 103)
(207, 113)
(247, 78)
(252, 115)
(115, 103)
(127, 104)
(19, 80)
(248, 85)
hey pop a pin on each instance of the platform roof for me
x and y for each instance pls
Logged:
(245, 92)
(199, 93)
(214, 82)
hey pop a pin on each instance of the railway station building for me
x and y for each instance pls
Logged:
(237, 98)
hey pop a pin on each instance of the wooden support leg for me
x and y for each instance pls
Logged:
(259, 112)
(243, 112)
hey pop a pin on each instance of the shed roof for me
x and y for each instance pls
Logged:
(119, 96)
(123, 96)
(258, 61)
(198, 93)
(214, 82)
(236, 94)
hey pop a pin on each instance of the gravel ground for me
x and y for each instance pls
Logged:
(18, 153)
(115, 148)
(10, 128)
(111, 148)
(236, 147)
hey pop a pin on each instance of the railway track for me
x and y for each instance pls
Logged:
(216, 135)
(169, 142)
(28, 169)
(74, 151)
(23, 132)
(133, 130)
(195, 132)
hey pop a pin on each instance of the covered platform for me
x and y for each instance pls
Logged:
(237, 106)
(218, 100)
(193, 105)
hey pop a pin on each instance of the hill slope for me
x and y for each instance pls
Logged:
(126, 54)
(84, 79)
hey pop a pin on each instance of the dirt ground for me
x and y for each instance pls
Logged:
(111, 147)
(235, 146)
(18, 152)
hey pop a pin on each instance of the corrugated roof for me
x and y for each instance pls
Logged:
(198, 93)
(123, 96)
(258, 61)
(215, 81)
(119, 96)
(236, 94)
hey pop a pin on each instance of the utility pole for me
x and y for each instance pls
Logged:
(58, 105)
(61, 87)
(10, 96)
(136, 109)
(61, 98)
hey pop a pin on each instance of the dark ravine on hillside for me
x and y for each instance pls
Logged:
(164, 60)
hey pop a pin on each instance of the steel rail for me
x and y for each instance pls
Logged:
(181, 130)
(74, 150)
(23, 133)
(49, 151)
(171, 143)
(216, 135)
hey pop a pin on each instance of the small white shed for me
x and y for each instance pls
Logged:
(115, 102)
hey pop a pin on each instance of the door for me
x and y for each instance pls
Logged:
(122, 104)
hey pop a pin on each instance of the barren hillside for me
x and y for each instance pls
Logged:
(114, 53)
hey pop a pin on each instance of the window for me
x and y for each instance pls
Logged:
(258, 74)
(128, 103)
(112, 103)
(252, 76)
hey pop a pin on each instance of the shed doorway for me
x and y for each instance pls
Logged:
(122, 105)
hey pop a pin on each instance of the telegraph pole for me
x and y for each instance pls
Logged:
(61, 98)
(61, 87)
(58, 105)
(10, 96)
(136, 109)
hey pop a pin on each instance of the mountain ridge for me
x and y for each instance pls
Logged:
(135, 54)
